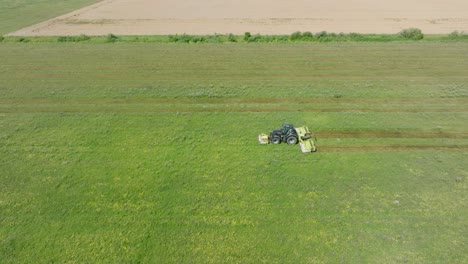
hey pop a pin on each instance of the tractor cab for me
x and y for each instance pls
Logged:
(286, 134)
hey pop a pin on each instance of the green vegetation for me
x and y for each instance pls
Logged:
(73, 38)
(411, 33)
(305, 37)
(111, 38)
(17, 14)
(135, 152)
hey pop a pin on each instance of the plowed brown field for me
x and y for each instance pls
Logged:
(148, 17)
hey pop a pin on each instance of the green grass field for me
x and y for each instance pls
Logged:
(134, 152)
(16, 14)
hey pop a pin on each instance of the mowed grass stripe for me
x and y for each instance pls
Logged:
(198, 105)
(207, 108)
(125, 70)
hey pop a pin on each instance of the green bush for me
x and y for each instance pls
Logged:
(184, 39)
(296, 36)
(232, 38)
(23, 40)
(218, 38)
(282, 38)
(173, 38)
(111, 38)
(307, 35)
(197, 39)
(82, 37)
(457, 34)
(1, 38)
(454, 34)
(321, 35)
(247, 36)
(411, 33)
(355, 35)
(255, 38)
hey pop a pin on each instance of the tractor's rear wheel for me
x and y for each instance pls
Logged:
(291, 140)
(276, 140)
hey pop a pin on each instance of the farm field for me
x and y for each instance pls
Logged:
(266, 17)
(134, 152)
(16, 14)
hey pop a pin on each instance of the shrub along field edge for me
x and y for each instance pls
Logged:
(411, 34)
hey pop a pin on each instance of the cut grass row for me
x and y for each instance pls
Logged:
(214, 105)
(213, 71)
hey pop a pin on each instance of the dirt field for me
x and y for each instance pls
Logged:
(149, 17)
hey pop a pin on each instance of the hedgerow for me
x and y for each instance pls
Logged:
(410, 34)
(73, 38)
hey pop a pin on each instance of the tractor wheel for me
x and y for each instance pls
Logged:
(291, 140)
(276, 140)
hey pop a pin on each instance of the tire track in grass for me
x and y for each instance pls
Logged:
(199, 105)
(390, 148)
(326, 148)
(391, 134)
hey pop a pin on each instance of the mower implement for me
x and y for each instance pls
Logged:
(263, 139)
(305, 140)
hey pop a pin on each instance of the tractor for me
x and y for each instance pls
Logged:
(286, 134)
(291, 135)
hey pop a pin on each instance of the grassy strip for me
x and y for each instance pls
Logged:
(339, 71)
(15, 14)
(99, 164)
(197, 188)
(177, 105)
(247, 38)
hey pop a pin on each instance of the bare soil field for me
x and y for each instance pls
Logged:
(148, 17)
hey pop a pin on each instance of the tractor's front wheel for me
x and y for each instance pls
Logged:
(291, 140)
(276, 140)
